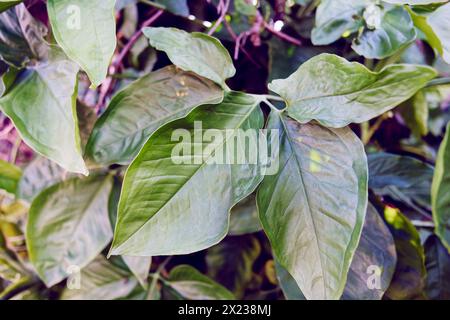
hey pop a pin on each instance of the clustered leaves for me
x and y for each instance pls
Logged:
(107, 209)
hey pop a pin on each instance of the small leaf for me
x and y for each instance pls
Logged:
(163, 209)
(178, 7)
(10, 268)
(395, 31)
(42, 107)
(68, 226)
(9, 176)
(196, 52)
(193, 285)
(87, 33)
(22, 37)
(309, 210)
(437, 262)
(138, 110)
(335, 92)
(101, 280)
(440, 191)
(335, 18)
(409, 277)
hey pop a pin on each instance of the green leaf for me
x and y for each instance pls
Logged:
(139, 266)
(374, 260)
(244, 217)
(68, 226)
(440, 190)
(6, 4)
(335, 92)
(393, 30)
(438, 21)
(309, 210)
(409, 277)
(22, 37)
(101, 280)
(9, 176)
(87, 33)
(142, 107)
(37, 176)
(437, 262)
(335, 18)
(196, 52)
(245, 8)
(231, 262)
(42, 107)
(415, 113)
(163, 209)
(402, 178)
(193, 285)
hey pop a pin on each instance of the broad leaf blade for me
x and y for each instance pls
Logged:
(315, 206)
(440, 190)
(68, 226)
(196, 52)
(86, 32)
(141, 108)
(437, 263)
(163, 209)
(42, 108)
(335, 92)
(438, 21)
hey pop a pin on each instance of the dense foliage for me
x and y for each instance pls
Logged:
(96, 204)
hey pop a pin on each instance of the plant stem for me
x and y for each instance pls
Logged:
(438, 82)
(219, 21)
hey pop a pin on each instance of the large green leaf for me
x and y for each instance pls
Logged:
(409, 277)
(42, 107)
(87, 33)
(38, 175)
(101, 280)
(402, 178)
(313, 209)
(437, 262)
(68, 226)
(335, 18)
(440, 191)
(6, 4)
(141, 108)
(196, 52)
(22, 37)
(374, 262)
(393, 31)
(9, 176)
(375, 253)
(193, 285)
(231, 262)
(172, 205)
(335, 92)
